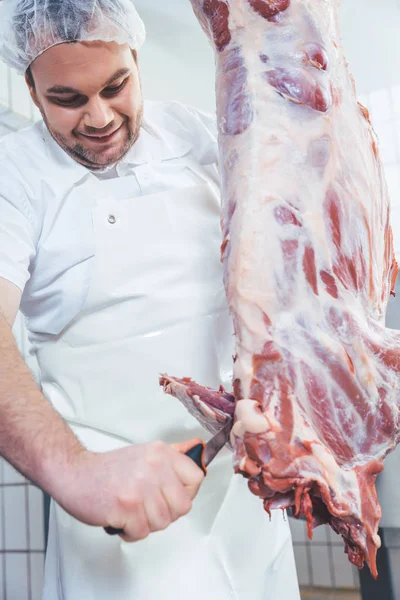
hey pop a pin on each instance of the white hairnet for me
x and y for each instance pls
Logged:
(29, 27)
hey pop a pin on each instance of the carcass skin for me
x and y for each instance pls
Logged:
(309, 266)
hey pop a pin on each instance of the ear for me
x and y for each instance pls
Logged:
(32, 90)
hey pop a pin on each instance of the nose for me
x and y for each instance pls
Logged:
(98, 114)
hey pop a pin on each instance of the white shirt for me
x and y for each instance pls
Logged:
(46, 199)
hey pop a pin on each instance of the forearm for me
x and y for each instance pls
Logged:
(33, 437)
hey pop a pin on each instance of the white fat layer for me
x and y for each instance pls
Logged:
(249, 418)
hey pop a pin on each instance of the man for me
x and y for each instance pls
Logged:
(109, 243)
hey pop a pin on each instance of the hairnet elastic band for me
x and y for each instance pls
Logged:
(52, 46)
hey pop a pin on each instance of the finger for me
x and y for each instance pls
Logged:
(184, 447)
(190, 475)
(157, 510)
(136, 526)
(177, 498)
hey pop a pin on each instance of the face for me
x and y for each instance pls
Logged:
(90, 98)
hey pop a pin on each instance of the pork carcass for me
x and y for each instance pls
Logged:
(309, 266)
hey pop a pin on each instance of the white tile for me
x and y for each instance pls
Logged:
(2, 580)
(2, 532)
(392, 173)
(320, 566)
(395, 216)
(396, 100)
(3, 84)
(395, 221)
(397, 129)
(37, 572)
(387, 140)
(17, 576)
(15, 518)
(343, 568)
(20, 98)
(10, 475)
(356, 577)
(364, 100)
(381, 106)
(334, 538)
(36, 114)
(36, 519)
(320, 535)
(300, 555)
(298, 529)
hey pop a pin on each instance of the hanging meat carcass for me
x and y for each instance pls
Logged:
(309, 266)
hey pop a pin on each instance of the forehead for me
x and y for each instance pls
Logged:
(81, 65)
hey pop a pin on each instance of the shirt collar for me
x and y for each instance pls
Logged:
(153, 145)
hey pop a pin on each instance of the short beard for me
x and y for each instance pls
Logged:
(89, 158)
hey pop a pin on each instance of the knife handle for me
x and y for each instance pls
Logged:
(113, 531)
(196, 454)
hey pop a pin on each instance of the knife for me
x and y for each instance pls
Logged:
(202, 454)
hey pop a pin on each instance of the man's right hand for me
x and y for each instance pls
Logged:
(140, 489)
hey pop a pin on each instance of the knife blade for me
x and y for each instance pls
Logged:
(203, 454)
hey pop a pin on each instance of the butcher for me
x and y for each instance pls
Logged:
(109, 245)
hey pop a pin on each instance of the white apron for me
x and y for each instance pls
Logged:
(156, 304)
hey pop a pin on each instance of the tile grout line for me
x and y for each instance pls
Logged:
(28, 543)
(14, 485)
(3, 534)
(330, 558)
(309, 563)
(22, 552)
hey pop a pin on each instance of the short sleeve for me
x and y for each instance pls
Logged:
(17, 231)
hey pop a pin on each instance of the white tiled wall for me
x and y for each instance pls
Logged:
(321, 562)
(21, 537)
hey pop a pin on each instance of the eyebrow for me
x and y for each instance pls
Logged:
(61, 89)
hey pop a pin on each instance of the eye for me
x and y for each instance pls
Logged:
(72, 102)
(115, 89)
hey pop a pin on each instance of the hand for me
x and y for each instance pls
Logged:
(140, 489)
